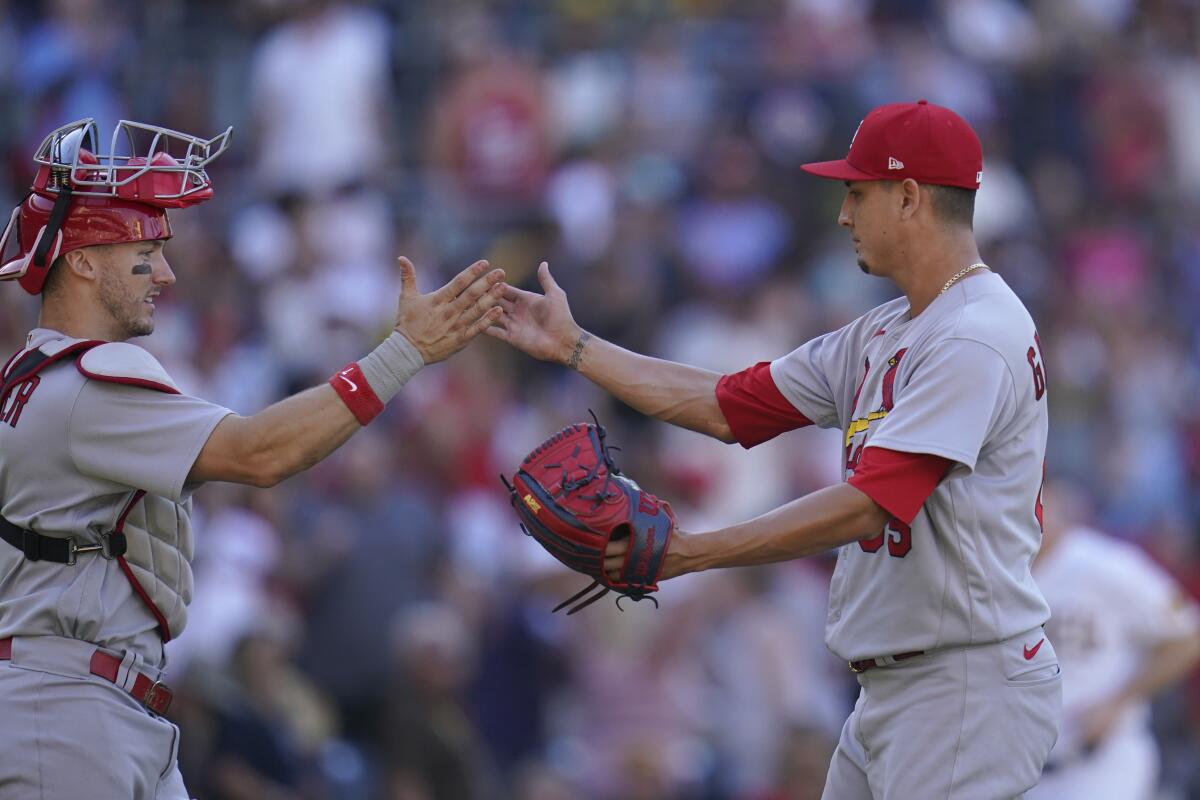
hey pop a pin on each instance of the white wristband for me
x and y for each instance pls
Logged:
(390, 365)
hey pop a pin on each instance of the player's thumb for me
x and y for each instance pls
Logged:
(545, 278)
(408, 277)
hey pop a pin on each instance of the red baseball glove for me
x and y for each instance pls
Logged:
(573, 499)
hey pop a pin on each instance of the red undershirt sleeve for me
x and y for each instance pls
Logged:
(754, 407)
(899, 482)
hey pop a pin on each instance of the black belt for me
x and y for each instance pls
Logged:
(37, 547)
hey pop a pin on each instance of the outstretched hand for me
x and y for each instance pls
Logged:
(539, 325)
(441, 323)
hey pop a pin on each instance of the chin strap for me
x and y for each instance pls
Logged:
(58, 215)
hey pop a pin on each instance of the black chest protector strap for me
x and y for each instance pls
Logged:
(35, 546)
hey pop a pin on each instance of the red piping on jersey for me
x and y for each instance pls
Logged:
(889, 379)
(861, 383)
(164, 630)
(144, 383)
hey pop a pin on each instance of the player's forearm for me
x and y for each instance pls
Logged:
(297, 432)
(279, 441)
(817, 522)
(676, 393)
(1163, 666)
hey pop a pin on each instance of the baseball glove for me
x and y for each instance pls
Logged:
(573, 499)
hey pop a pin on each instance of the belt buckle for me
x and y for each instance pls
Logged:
(855, 668)
(105, 548)
(158, 697)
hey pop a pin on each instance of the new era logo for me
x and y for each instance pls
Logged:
(895, 163)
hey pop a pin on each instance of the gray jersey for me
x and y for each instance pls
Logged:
(72, 461)
(964, 380)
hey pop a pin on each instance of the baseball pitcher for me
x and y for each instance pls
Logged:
(940, 396)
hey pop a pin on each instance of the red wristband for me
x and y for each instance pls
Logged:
(351, 385)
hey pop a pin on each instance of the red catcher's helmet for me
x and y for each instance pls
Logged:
(81, 197)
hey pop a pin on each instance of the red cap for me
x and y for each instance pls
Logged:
(928, 143)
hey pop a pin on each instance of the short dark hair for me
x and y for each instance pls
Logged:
(953, 204)
(54, 277)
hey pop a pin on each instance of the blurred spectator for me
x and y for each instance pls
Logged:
(73, 66)
(767, 678)
(427, 740)
(730, 236)
(489, 131)
(636, 707)
(319, 91)
(236, 559)
(803, 759)
(1123, 632)
(362, 548)
(257, 729)
(671, 98)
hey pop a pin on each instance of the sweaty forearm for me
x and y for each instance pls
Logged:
(817, 522)
(676, 393)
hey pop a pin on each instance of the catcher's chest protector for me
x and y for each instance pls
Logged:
(157, 532)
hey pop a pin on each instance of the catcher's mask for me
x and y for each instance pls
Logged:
(82, 197)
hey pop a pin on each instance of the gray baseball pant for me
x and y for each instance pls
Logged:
(972, 723)
(68, 734)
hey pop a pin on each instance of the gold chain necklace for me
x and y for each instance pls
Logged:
(967, 269)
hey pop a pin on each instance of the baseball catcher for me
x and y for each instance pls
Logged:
(573, 499)
(101, 452)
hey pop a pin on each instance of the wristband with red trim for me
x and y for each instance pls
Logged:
(352, 386)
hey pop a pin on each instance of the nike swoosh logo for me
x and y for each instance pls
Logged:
(1031, 652)
(353, 386)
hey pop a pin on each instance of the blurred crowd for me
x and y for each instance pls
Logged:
(378, 627)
